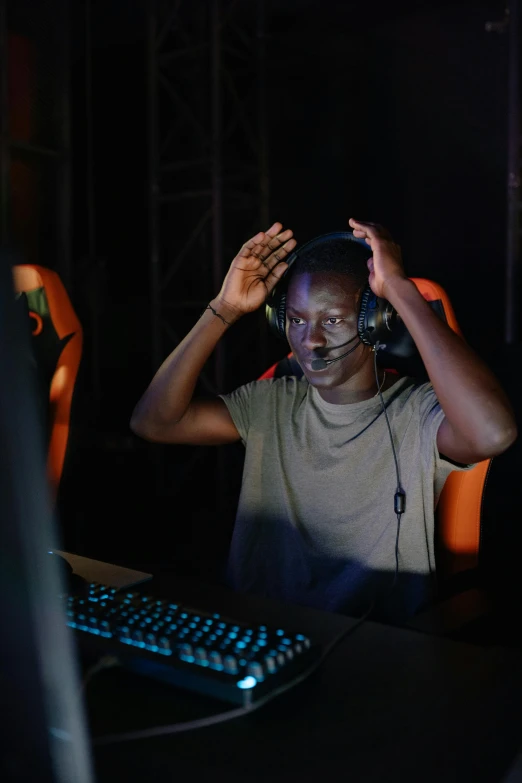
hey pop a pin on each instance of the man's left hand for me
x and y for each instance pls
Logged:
(385, 265)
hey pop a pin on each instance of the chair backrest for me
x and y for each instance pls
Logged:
(459, 510)
(57, 348)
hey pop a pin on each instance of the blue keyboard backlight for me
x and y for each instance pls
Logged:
(247, 682)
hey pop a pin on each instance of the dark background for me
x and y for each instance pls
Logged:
(391, 112)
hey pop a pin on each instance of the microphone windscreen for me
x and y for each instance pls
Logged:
(319, 364)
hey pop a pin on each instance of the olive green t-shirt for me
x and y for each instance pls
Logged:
(315, 522)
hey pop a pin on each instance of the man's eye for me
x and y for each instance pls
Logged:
(332, 321)
(296, 321)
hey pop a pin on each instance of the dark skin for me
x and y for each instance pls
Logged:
(321, 315)
(322, 311)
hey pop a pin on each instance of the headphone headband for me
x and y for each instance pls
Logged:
(323, 239)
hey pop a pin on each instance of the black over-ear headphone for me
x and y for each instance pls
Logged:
(377, 321)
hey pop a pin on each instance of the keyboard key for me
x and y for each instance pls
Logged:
(230, 664)
(255, 668)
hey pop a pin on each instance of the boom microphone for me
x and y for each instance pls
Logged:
(320, 364)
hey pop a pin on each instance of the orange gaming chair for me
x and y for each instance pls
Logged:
(57, 341)
(459, 510)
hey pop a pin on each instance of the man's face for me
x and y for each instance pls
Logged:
(322, 310)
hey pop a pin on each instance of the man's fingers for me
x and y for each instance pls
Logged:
(368, 229)
(255, 245)
(354, 222)
(249, 246)
(274, 229)
(274, 243)
(275, 274)
(279, 254)
(372, 229)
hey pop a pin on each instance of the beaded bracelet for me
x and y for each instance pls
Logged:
(218, 315)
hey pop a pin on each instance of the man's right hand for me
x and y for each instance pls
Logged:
(167, 412)
(254, 271)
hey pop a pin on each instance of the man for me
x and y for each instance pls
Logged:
(315, 522)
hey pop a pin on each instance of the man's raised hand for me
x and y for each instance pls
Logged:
(256, 269)
(385, 265)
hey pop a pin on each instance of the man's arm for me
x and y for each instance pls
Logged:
(167, 412)
(478, 419)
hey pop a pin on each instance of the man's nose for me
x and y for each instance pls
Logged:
(314, 338)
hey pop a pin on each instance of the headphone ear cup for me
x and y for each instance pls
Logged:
(362, 323)
(276, 313)
(377, 318)
(281, 316)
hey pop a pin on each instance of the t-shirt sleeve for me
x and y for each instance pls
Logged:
(239, 403)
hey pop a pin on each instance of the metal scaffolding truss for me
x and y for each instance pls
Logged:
(208, 186)
(208, 191)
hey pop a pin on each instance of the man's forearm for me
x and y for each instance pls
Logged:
(170, 392)
(472, 399)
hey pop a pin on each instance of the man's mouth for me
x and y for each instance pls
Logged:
(308, 364)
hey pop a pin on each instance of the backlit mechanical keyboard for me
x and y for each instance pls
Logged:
(200, 651)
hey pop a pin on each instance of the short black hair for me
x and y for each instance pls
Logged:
(335, 255)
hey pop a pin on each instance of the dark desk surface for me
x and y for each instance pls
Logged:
(387, 704)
